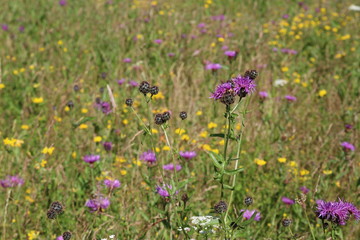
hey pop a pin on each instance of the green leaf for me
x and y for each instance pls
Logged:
(81, 121)
(228, 187)
(233, 172)
(215, 161)
(220, 135)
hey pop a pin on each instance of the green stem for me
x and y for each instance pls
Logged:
(228, 120)
(140, 120)
(172, 152)
(311, 230)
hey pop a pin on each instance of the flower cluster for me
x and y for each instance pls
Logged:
(11, 181)
(97, 204)
(240, 86)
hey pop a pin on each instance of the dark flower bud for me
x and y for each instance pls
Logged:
(228, 98)
(166, 116)
(103, 75)
(144, 87)
(129, 102)
(252, 74)
(220, 207)
(233, 225)
(242, 93)
(102, 89)
(98, 100)
(183, 115)
(57, 207)
(51, 214)
(185, 198)
(248, 201)
(76, 88)
(158, 119)
(66, 235)
(286, 222)
(154, 90)
(70, 104)
(107, 146)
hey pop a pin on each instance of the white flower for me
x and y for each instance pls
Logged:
(280, 82)
(354, 8)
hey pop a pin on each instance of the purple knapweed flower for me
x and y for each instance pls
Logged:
(21, 29)
(97, 204)
(11, 181)
(287, 201)
(290, 98)
(112, 183)
(304, 190)
(263, 95)
(347, 146)
(5, 27)
(243, 84)
(60, 238)
(107, 146)
(218, 18)
(171, 54)
(105, 108)
(91, 158)
(221, 90)
(62, 2)
(158, 41)
(163, 190)
(348, 126)
(121, 81)
(133, 83)
(127, 60)
(231, 54)
(249, 213)
(170, 167)
(187, 155)
(213, 66)
(201, 25)
(148, 157)
(336, 212)
(225, 47)
(285, 16)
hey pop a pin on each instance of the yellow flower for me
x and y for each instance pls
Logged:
(212, 125)
(166, 148)
(13, 142)
(337, 183)
(58, 119)
(73, 155)
(83, 126)
(345, 37)
(185, 137)
(157, 149)
(47, 150)
(43, 163)
(60, 42)
(292, 164)
(66, 109)
(154, 131)
(2, 85)
(153, 3)
(199, 113)
(84, 110)
(97, 139)
(29, 199)
(37, 100)
(260, 162)
(282, 160)
(180, 131)
(215, 150)
(120, 159)
(222, 142)
(327, 172)
(304, 172)
(206, 147)
(33, 234)
(125, 121)
(220, 39)
(123, 172)
(284, 69)
(25, 127)
(161, 12)
(213, 44)
(322, 93)
(160, 95)
(204, 134)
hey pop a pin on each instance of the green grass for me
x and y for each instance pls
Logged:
(74, 44)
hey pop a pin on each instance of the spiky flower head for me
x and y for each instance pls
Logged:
(252, 74)
(154, 90)
(166, 116)
(66, 235)
(221, 90)
(97, 204)
(51, 214)
(57, 207)
(337, 212)
(144, 87)
(129, 102)
(228, 98)
(243, 85)
(220, 207)
(148, 157)
(286, 222)
(183, 115)
(158, 119)
(248, 201)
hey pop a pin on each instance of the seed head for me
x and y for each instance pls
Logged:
(66, 235)
(51, 214)
(102, 89)
(252, 74)
(70, 104)
(144, 87)
(98, 100)
(185, 198)
(76, 88)
(220, 207)
(166, 116)
(183, 115)
(286, 222)
(248, 201)
(154, 90)
(57, 207)
(129, 102)
(158, 119)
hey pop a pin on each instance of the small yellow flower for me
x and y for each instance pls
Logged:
(84, 110)
(123, 172)
(206, 147)
(185, 137)
(282, 160)
(199, 113)
(37, 100)
(73, 155)
(97, 139)
(212, 125)
(180, 131)
(284, 69)
(60, 42)
(33, 235)
(43, 163)
(160, 95)
(260, 162)
(25, 127)
(322, 93)
(337, 183)
(215, 150)
(83, 126)
(304, 172)
(220, 39)
(29, 199)
(222, 142)
(67, 108)
(166, 148)
(327, 172)
(47, 150)
(157, 149)
(213, 44)
(154, 131)
(204, 134)
(125, 122)
(345, 37)
(161, 12)
(2, 85)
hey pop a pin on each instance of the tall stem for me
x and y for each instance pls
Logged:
(311, 230)
(227, 136)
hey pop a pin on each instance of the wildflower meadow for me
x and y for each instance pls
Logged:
(193, 119)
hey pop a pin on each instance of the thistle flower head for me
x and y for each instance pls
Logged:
(97, 204)
(337, 212)
(148, 157)
(11, 181)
